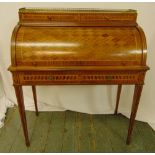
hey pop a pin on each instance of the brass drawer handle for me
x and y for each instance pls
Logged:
(109, 77)
(51, 77)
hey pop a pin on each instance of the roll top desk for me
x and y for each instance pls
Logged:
(78, 46)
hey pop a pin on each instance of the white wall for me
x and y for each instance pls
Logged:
(91, 99)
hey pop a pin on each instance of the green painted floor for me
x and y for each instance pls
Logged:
(74, 132)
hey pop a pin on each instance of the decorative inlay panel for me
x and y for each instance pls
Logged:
(70, 46)
(79, 77)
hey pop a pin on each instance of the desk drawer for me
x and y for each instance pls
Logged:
(78, 77)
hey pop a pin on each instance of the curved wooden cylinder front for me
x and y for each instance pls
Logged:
(78, 46)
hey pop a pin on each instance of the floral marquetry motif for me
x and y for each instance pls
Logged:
(78, 46)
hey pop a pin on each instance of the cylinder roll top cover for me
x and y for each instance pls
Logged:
(78, 37)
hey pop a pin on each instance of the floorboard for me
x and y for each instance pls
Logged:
(55, 132)
(40, 132)
(68, 141)
(10, 131)
(102, 133)
(74, 132)
(147, 136)
(85, 133)
(18, 145)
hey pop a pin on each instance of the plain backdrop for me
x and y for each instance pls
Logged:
(87, 99)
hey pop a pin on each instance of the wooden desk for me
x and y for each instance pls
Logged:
(78, 46)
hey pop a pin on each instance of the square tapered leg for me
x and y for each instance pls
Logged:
(118, 98)
(35, 99)
(136, 99)
(20, 100)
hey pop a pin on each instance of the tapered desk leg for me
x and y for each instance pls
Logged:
(35, 99)
(20, 100)
(136, 99)
(118, 97)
